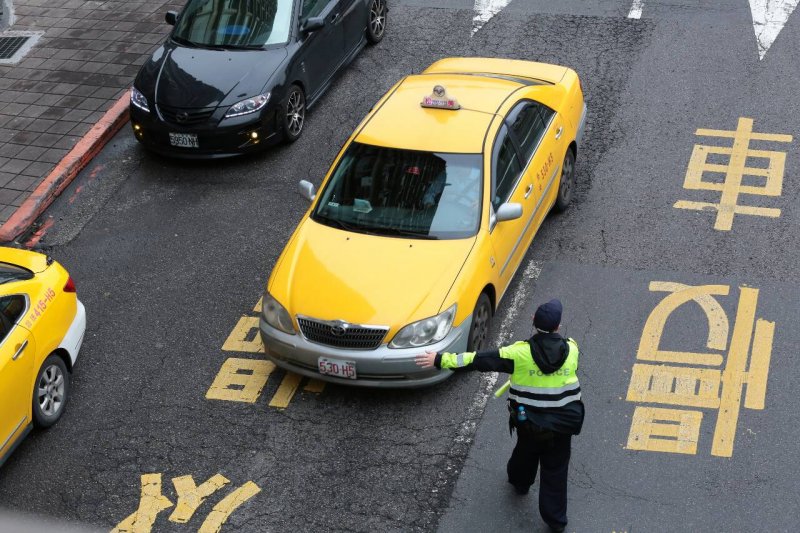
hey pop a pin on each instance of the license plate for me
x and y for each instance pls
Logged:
(337, 367)
(184, 140)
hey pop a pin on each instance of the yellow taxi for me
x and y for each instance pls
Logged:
(422, 221)
(42, 323)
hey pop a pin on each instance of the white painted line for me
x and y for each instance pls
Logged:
(636, 9)
(485, 10)
(769, 18)
(466, 431)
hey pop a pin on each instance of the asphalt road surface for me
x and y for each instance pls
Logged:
(691, 414)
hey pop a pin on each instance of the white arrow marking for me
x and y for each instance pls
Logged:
(485, 10)
(769, 18)
(636, 9)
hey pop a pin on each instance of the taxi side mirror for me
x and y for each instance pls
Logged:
(307, 190)
(508, 211)
(171, 17)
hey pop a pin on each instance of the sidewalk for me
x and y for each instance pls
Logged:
(52, 100)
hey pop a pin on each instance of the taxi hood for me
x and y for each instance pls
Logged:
(330, 274)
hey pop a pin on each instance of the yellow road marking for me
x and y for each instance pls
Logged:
(151, 503)
(286, 390)
(758, 372)
(734, 172)
(220, 513)
(190, 496)
(245, 337)
(240, 380)
(734, 374)
(648, 430)
(677, 430)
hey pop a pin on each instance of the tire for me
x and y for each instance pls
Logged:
(294, 114)
(50, 392)
(481, 324)
(566, 186)
(376, 21)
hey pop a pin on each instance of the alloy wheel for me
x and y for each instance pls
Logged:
(50, 394)
(567, 178)
(480, 329)
(377, 18)
(295, 113)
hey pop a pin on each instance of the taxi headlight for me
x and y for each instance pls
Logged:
(251, 105)
(426, 331)
(276, 315)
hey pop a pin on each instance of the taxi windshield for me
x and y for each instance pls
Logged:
(233, 24)
(403, 193)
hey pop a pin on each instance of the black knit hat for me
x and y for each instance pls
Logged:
(548, 316)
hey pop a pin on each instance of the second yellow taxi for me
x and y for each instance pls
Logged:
(422, 221)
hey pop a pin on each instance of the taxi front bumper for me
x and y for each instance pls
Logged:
(382, 367)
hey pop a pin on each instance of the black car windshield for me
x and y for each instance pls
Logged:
(403, 193)
(234, 23)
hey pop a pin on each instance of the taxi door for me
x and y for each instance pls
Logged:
(538, 132)
(507, 186)
(17, 357)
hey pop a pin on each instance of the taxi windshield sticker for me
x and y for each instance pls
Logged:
(439, 99)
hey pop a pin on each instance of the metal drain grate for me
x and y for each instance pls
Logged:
(11, 45)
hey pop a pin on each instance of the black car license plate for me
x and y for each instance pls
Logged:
(184, 140)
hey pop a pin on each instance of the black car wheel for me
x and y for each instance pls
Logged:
(567, 184)
(376, 25)
(294, 113)
(50, 392)
(481, 324)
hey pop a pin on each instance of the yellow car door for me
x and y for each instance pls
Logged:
(539, 134)
(508, 192)
(17, 364)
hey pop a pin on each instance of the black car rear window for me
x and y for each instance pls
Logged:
(9, 273)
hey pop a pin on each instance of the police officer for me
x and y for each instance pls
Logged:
(544, 402)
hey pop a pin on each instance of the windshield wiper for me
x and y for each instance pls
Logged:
(241, 46)
(407, 233)
(185, 42)
(343, 225)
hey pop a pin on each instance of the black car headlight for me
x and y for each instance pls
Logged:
(139, 100)
(276, 315)
(426, 331)
(251, 105)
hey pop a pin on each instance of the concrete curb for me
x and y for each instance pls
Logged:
(66, 170)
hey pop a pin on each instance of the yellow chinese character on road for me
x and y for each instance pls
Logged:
(701, 385)
(190, 497)
(732, 163)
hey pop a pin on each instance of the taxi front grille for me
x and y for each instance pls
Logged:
(334, 334)
(185, 116)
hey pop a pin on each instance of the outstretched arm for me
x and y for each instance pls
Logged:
(489, 361)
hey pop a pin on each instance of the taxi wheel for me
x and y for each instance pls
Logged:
(567, 183)
(481, 324)
(376, 25)
(294, 113)
(50, 392)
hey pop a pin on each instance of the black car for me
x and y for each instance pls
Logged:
(235, 75)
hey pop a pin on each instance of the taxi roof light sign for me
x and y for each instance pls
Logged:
(439, 99)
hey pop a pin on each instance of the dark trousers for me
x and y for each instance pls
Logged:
(551, 451)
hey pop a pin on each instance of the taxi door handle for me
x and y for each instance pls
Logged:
(559, 131)
(334, 18)
(20, 350)
(529, 190)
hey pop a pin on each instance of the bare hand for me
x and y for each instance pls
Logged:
(426, 360)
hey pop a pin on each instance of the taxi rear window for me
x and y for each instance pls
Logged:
(9, 273)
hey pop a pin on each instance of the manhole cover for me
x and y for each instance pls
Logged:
(11, 45)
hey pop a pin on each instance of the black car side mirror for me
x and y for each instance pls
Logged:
(171, 17)
(313, 24)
